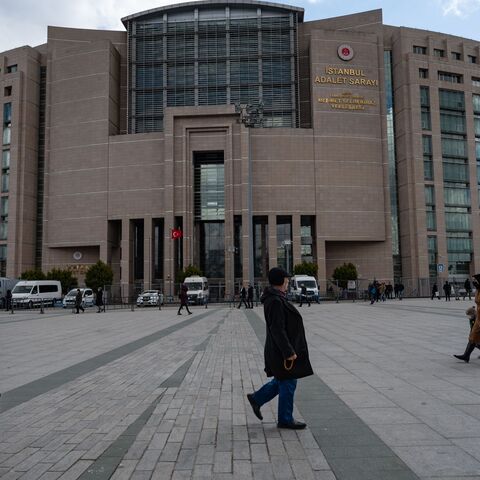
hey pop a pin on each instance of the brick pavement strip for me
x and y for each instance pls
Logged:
(202, 426)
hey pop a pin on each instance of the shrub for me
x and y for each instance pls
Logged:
(306, 268)
(98, 275)
(348, 271)
(188, 272)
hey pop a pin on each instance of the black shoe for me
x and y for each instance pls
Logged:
(178, 313)
(462, 357)
(255, 406)
(190, 313)
(292, 426)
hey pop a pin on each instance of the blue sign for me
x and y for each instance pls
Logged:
(441, 267)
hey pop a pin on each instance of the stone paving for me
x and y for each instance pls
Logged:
(149, 394)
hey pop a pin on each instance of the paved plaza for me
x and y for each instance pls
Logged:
(149, 394)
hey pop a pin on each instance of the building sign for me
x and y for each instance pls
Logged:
(347, 101)
(345, 52)
(346, 76)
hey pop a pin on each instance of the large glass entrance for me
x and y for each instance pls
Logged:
(209, 210)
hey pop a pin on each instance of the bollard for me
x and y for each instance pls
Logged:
(132, 307)
(41, 307)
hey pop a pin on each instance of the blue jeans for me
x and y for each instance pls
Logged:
(285, 389)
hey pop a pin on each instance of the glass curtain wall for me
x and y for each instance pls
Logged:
(456, 183)
(209, 211)
(213, 56)
(284, 243)
(260, 246)
(6, 136)
(392, 165)
(476, 120)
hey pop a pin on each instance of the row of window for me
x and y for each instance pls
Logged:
(5, 169)
(448, 77)
(441, 53)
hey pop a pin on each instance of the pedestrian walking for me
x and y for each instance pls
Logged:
(304, 295)
(401, 288)
(468, 289)
(447, 289)
(183, 296)
(8, 300)
(250, 296)
(435, 292)
(474, 336)
(99, 300)
(286, 351)
(243, 297)
(78, 301)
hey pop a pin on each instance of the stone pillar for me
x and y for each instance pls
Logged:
(321, 262)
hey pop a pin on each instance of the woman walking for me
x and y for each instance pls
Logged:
(286, 351)
(474, 336)
(183, 296)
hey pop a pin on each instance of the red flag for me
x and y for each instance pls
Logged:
(176, 233)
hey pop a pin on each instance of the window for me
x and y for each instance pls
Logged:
(7, 123)
(451, 100)
(476, 81)
(472, 59)
(457, 219)
(12, 69)
(450, 77)
(432, 256)
(48, 288)
(423, 72)
(7, 91)
(307, 238)
(284, 243)
(438, 52)
(456, 55)
(425, 108)
(427, 157)
(456, 196)
(476, 103)
(420, 50)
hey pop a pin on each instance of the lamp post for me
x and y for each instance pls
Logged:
(251, 116)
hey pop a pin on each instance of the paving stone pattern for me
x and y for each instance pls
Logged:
(389, 401)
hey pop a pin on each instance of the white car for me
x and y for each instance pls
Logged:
(150, 298)
(88, 299)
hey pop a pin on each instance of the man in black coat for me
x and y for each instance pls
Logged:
(286, 351)
(250, 296)
(243, 297)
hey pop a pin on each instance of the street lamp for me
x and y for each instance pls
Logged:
(251, 116)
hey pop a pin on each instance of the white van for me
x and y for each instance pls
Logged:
(198, 292)
(28, 293)
(310, 283)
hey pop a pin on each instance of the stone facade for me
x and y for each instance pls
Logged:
(99, 180)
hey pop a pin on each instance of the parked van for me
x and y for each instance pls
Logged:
(29, 293)
(198, 292)
(310, 283)
(5, 285)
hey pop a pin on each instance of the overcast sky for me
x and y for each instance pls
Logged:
(24, 22)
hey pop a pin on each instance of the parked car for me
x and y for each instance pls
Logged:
(150, 298)
(88, 299)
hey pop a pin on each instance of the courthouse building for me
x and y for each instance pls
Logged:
(266, 139)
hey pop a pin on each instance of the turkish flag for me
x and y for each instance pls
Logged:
(176, 233)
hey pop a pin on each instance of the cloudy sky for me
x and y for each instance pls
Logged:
(24, 22)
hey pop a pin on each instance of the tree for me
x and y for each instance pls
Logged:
(348, 271)
(98, 275)
(32, 275)
(65, 277)
(306, 268)
(188, 272)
